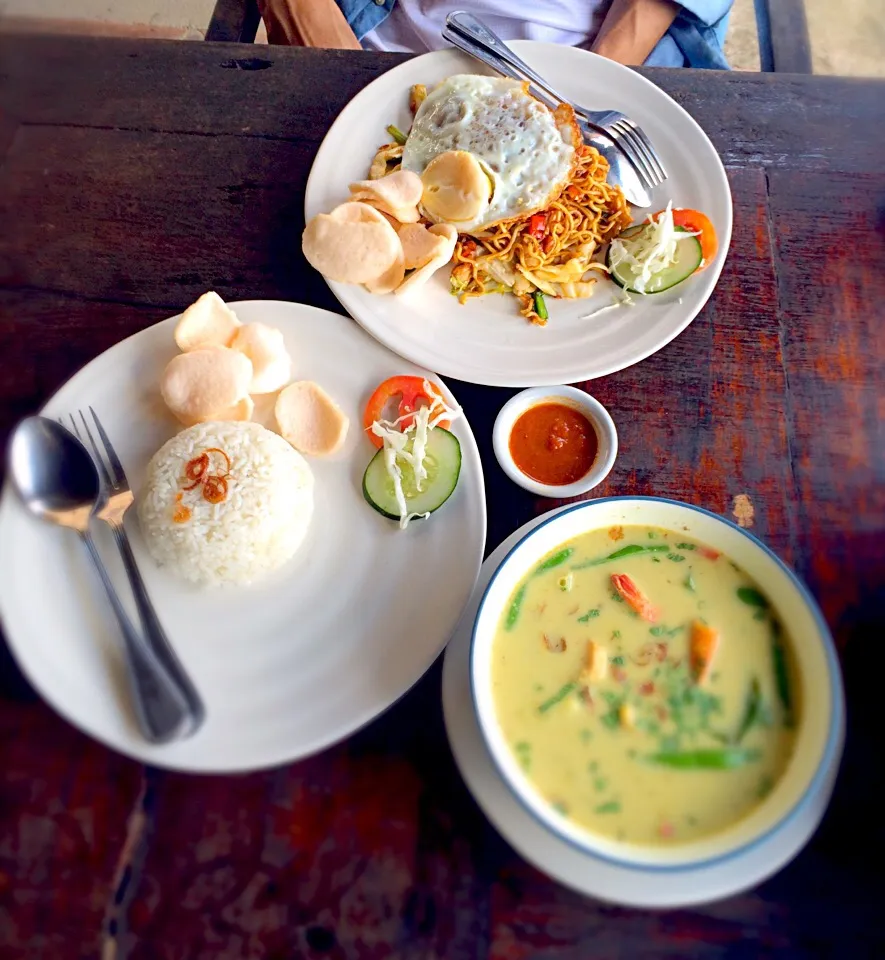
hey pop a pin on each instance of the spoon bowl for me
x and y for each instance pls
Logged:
(53, 473)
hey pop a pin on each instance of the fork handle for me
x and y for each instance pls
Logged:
(487, 56)
(155, 635)
(161, 710)
(472, 28)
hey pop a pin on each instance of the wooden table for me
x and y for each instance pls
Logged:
(136, 175)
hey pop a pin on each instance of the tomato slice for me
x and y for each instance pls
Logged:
(696, 222)
(412, 394)
(538, 226)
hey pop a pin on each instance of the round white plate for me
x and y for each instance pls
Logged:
(486, 340)
(293, 663)
(565, 862)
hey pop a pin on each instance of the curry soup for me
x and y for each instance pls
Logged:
(643, 684)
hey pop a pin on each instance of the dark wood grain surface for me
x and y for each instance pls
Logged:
(135, 175)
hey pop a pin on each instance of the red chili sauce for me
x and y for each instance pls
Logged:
(553, 443)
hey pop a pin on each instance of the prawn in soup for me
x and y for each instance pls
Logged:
(643, 684)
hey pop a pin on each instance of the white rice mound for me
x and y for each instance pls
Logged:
(256, 529)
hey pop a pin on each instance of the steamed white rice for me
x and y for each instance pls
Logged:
(259, 525)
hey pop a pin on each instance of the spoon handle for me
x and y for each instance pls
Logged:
(163, 713)
(154, 634)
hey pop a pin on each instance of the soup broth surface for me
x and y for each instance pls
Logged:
(644, 685)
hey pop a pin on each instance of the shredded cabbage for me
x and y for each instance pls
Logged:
(650, 251)
(625, 301)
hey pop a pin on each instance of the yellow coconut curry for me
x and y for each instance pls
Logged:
(644, 685)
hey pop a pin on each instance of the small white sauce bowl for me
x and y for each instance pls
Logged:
(599, 417)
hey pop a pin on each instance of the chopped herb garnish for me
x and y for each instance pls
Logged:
(523, 751)
(686, 546)
(765, 785)
(652, 535)
(589, 615)
(565, 583)
(752, 597)
(616, 596)
(611, 720)
(664, 631)
(599, 784)
(611, 807)
(675, 557)
(690, 584)
(560, 694)
(616, 634)
(655, 559)
(618, 661)
(631, 550)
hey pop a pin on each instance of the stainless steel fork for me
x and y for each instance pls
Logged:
(629, 136)
(119, 498)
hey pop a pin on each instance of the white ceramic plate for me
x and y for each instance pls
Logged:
(486, 340)
(291, 664)
(566, 862)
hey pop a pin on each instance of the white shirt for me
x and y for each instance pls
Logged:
(414, 25)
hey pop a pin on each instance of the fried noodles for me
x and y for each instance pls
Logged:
(551, 251)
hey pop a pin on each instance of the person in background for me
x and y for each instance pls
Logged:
(658, 33)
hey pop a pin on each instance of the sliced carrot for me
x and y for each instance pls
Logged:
(701, 649)
(698, 223)
(633, 596)
(709, 553)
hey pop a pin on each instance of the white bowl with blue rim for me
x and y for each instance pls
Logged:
(805, 786)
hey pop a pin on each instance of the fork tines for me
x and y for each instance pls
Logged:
(114, 476)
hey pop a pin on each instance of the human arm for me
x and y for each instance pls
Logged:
(632, 28)
(307, 23)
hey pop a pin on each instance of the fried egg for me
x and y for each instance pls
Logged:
(527, 152)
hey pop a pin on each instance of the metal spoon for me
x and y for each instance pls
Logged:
(57, 481)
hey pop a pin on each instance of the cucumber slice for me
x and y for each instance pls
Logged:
(688, 259)
(443, 464)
